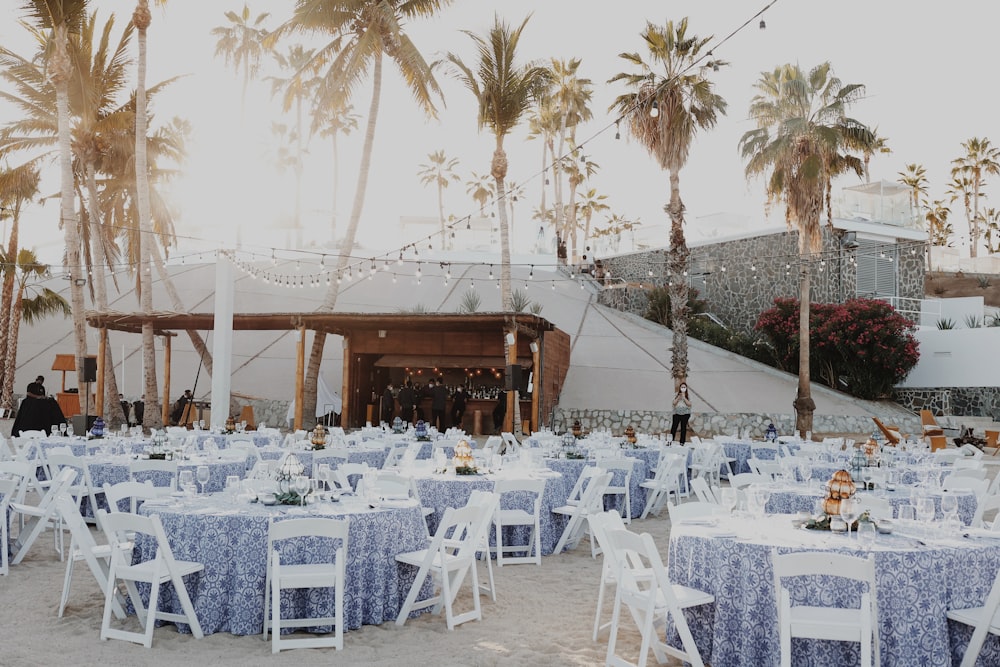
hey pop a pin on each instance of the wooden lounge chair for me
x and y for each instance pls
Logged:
(930, 424)
(891, 436)
(991, 442)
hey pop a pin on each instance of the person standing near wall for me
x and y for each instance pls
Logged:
(682, 413)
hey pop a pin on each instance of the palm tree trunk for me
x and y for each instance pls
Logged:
(498, 169)
(571, 220)
(974, 226)
(8, 344)
(330, 301)
(804, 404)
(677, 258)
(336, 187)
(60, 68)
(152, 414)
(112, 407)
(441, 210)
(10, 363)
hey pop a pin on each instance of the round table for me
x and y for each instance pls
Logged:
(915, 586)
(231, 541)
(373, 457)
(115, 469)
(792, 500)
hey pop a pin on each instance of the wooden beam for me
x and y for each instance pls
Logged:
(300, 372)
(165, 404)
(512, 397)
(536, 380)
(347, 400)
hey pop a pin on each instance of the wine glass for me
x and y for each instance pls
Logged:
(728, 498)
(69, 430)
(848, 512)
(925, 510)
(203, 475)
(949, 505)
(866, 535)
(62, 429)
(301, 486)
(186, 480)
(323, 475)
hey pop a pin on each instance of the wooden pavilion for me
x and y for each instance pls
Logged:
(377, 343)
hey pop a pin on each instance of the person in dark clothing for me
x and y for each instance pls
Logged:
(500, 412)
(388, 404)
(138, 411)
(406, 398)
(178, 411)
(682, 413)
(37, 412)
(458, 407)
(439, 401)
(125, 406)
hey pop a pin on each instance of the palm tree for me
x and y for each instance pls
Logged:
(43, 302)
(241, 44)
(481, 189)
(60, 19)
(592, 203)
(915, 178)
(440, 172)
(577, 172)
(981, 159)
(962, 187)
(505, 92)
(363, 34)
(544, 124)
(330, 122)
(569, 98)
(803, 138)
(938, 228)
(665, 112)
(990, 224)
(295, 90)
(879, 145)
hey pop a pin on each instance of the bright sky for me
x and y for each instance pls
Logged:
(925, 68)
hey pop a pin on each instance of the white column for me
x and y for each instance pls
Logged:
(222, 342)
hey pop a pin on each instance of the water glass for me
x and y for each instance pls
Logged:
(848, 512)
(232, 485)
(186, 481)
(949, 504)
(906, 513)
(866, 535)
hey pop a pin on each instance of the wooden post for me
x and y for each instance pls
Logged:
(512, 397)
(165, 408)
(300, 369)
(102, 349)
(347, 401)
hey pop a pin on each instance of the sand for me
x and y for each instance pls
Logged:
(543, 616)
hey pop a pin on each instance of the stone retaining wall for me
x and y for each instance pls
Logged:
(709, 424)
(957, 401)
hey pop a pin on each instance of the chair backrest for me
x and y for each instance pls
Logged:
(592, 499)
(459, 531)
(878, 508)
(58, 462)
(131, 491)
(703, 491)
(62, 482)
(342, 474)
(745, 479)
(19, 471)
(584, 480)
(694, 510)
(625, 465)
(970, 472)
(977, 486)
(388, 484)
(331, 456)
(532, 486)
(319, 527)
(33, 434)
(121, 528)
(142, 469)
(69, 511)
(601, 523)
(971, 451)
(6, 449)
(246, 446)
(767, 469)
(395, 455)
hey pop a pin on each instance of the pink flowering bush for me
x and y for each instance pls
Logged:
(862, 346)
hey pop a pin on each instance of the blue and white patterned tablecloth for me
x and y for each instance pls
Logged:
(572, 468)
(231, 541)
(915, 587)
(908, 474)
(113, 470)
(373, 457)
(441, 491)
(793, 500)
(222, 440)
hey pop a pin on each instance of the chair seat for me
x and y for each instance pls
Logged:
(569, 510)
(309, 575)
(974, 616)
(826, 623)
(516, 517)
(145, 571)
(691, 597)
(417, 558)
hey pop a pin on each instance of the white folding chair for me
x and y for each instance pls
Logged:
(6, 449)
(667, 479)
(395, 455)
(312, 535)
(507, 518)
(971, 451)
(8, 489)
(984, 620)
(448, 565)
(769, 469)
(645, 589)
(591, 502)
(82, 488)
(850, 624)
(878, 508)
(958, 470)
(511, 445)
(41, 516)
(342, 474)
(588, 473)
(390, 485)
(83, 547)
(979, 487)
(334, 457)
(133, 492)
(707, 462)
(624, 467)
(491, 500)
(156, 570)
(249, 450)
(141, 470)
(694, 511)
(600, 524)
(702, 491)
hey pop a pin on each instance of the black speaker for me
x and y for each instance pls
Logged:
(89, 369)
(516, 379)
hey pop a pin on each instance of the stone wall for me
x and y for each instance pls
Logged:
(740, 278)
(627, 297)
(958, 401)
(709, 424)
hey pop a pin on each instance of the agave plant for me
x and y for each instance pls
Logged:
(519, 301)
(973, 322)
(535, 308)
(946, 323)
(470, 302)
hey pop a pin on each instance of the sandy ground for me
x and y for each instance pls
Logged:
(543, 616)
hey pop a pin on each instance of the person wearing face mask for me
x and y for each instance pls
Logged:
(682, 413)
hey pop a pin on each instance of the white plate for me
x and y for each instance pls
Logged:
(701, 521)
